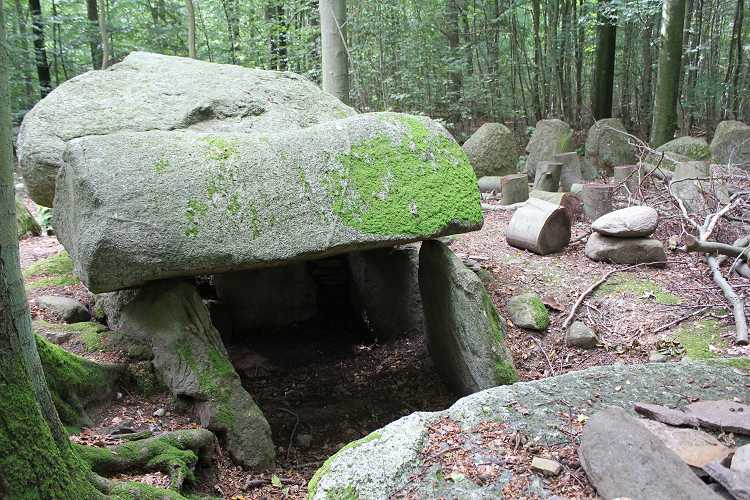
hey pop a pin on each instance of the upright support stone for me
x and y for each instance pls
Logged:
(690, 183)
(514, 188)
(570, 172)
(597, 199)
(569, 201)
(628, 176)
(547, 176)
(464, 331)
(539, 226)
(190, 359)
(385, 287)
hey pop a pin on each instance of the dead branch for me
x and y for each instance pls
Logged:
(681, 319)
(692, 244)
(738, 305)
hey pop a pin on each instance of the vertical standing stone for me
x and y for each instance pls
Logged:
(547, 176)
(629, 176)
(597, 199)
(514, 188)
(570, 172)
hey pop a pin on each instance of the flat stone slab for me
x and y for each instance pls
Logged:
(695, 447)
(725, 416)
(630, 222)
(132, 208)
(666, 415)
(625, 250)
(157, 92)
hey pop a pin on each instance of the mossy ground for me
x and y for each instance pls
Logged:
(699, 337)
(628, 284)
(92, 334)
(56, 270)
(312, 486)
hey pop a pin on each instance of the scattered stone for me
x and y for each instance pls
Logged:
(210, 218)
(58, 337)
(303, 440)
(26, 224)
(657, 357)
(607, 146)
(741, 460)
(665, 415)
(691, 184)
(490, 184)
(550, 137)
(160, 412)
(692, 148)
(696, 448)
(623, 459)
(539, 226)
(70, 310)
(514, 189)
(630, 222)
(625, 250)
(492, 150)
(465, 334)
(738, 485)
(731, 143)
(546, 466)
(570, 172)
(629, 176)
(580, 335)
(569, 201)
(547, 177)
(528, 311)
(724, 415)
(597, 199)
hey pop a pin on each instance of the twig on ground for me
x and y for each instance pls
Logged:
(539, 345)
(681, 319)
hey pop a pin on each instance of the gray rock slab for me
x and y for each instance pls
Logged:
(731, 144)
(145, 206)
(625, 250)
(724, 415)
(692, 148)
(630, 222)
(741, 460)
(695, 447)
(70, 310)
(157, 92)
(550, 137)
(492, 150)
(665, 415)
(528, 311)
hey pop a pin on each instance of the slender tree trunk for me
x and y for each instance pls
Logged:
(647, 78)
(278, 36)
(40, 52)
(205, 34)
(92, 14)
(104, 33)
(668, 76)
(733, 68)
(604, 66)
(694, 60)
(26, 69)
(580, 40)
(738, 68)
(192, 49)
(333, 48)
(537, 87)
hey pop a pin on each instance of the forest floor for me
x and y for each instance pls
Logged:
(320, 392)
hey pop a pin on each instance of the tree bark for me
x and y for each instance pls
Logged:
(644, 117)
(333, 48)
(192, 49)
(92, 14)
(40, 52)
(104, 34)
(668, 76)
(604, 66)
(28, 71)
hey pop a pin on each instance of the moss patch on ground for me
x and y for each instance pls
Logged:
(56, 270)
(312, 486)
(92, 334)
(628, 284)
(418, 185)
(698, 337)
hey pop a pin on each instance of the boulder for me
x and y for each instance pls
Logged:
(170, 319)
(156, 92)
(26, 224)
(580, 335)
(692, 148)
(528, 311)
(69, 310)
(465, 334)
(539, 226)
(630, 222)
(395, 458)
(385, 288)
(625, 250)
(607, 145)
(492, 150)
(214, 203)
(695, 447)
(490, 184)
(550, 138)
(731, 144)
(690, 183)
(623, 459)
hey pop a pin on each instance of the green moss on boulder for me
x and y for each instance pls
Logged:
(25, 222)
(312, 485)
(528, 311)
(692, 148)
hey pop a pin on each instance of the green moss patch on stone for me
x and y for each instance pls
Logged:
(26, 224)
(697, 337)
(312, 486)
(56, 270)
(90, 333)
(539, 310)
(505, 373)
(626, 283)
(416, 186)
(131, 490)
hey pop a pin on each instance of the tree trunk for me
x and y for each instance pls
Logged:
(604, 66)
(192, 49)
(580, 40)
(278, 36)
(40, 52)
(104, 34)
(538, 84)
(92, 14)
(333, 48)
(35, 455)
(27, 70)
(644, 117)
(668, 76)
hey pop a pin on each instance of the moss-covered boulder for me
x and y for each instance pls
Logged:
(492, 150)
(465, 334)
(528, 311)
(693, 148)
(164, 93)
(25, 222)
(550, 137)
(607, 145)
(731, 144)
(133, 208)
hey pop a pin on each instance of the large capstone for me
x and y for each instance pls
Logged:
(550, 138)
(694, 148)
(607, 145)
(137, 207)
(155, 92)
(465, 334)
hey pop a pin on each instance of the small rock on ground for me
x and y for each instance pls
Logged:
(528, 311)
(70, 310)
(546, 466)
(580, 335)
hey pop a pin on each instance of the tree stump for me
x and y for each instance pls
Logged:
(569, 201)
(547, 176)
(597, 200)
(629, 176)
(514, 188)
(539, 226)
(570, 172)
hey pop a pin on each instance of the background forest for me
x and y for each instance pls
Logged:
(464, 61)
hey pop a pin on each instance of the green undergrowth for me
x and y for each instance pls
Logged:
(418, 185)
(92, 334)
(698, 337)
(312, 486)
(56, 270)
(626, 283)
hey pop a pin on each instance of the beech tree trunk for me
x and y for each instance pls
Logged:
(40, 52)
(104, 34)
(333, 48)
(92, 14)
(192, 49)
(668, 76)
(604, 66)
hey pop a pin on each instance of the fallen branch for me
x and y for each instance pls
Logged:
(692, 244)
(593, 287)
(738, 305)
(681, 319)
(539, 345)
